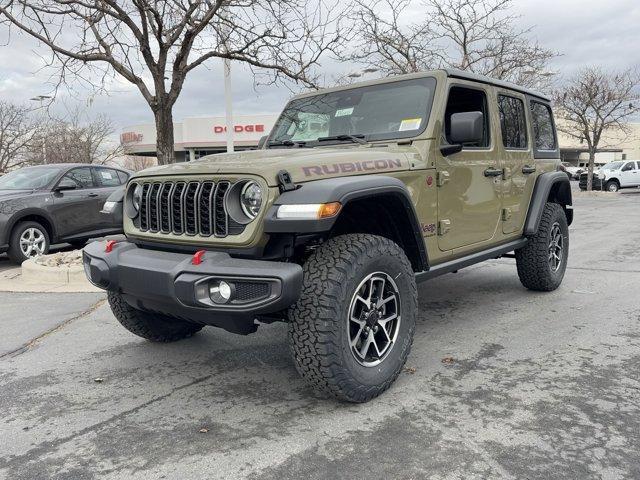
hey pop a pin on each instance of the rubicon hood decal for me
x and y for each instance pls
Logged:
(351, 167)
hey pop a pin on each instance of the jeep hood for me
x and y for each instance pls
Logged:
(303, 164)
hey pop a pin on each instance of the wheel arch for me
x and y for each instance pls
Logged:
(387, 196)
(550, 187)
(33, 215)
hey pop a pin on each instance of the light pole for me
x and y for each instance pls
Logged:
(40, 99)
(228, 104)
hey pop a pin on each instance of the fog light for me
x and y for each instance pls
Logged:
(220, 291)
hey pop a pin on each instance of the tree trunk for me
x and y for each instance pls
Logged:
(165, 147)
(592, 157)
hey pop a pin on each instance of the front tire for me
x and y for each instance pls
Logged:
(612, 186)
(352, 328)
(151, 326)
(28, 239)
(542, 262)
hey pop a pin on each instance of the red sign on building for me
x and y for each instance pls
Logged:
(130, 137)
(250, 128)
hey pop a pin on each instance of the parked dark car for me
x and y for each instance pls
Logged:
(54, 204)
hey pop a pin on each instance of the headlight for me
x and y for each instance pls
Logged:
(251, 199)
(133, 198)
(137, 197)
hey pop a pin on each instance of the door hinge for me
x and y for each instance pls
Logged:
(506, 214)
(442, 178)
(443, 227)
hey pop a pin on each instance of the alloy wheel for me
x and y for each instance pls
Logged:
(556, 246)
(32, 242)
(374, 319)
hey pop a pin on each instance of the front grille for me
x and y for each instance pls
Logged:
(191, 208)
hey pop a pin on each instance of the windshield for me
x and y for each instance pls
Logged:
(611, 166)
(29, 178)
(376, 112)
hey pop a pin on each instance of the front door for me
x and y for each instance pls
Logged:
(629, 175)
(469, 182)
(76, 211)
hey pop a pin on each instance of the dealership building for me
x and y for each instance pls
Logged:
(199, 136)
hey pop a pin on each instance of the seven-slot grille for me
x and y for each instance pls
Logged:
(186, 207)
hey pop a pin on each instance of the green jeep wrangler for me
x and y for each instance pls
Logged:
(358, 194)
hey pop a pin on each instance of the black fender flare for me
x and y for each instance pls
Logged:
(343, 190)
(546, 184)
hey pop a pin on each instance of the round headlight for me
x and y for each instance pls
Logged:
(136, 197)
(251, 199)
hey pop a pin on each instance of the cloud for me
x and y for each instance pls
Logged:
(584, 32)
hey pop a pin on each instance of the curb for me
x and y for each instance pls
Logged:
(66, 274)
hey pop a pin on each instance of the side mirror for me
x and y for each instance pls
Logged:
(262, 141)
(467, 127)
(65, 185)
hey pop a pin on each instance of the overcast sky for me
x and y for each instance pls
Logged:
(600, 32)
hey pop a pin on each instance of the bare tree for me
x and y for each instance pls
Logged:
(594, 102)
(75, 139)
(17, 132)
(155, 44)
(137, 162)
(480, 36)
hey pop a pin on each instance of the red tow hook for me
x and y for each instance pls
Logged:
(110, 245)
(197, 257)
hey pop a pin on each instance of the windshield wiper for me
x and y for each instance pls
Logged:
(354, 138)
(287, 143)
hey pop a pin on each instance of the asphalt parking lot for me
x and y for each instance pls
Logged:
(501, 383)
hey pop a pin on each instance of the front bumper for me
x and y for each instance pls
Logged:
(169, 283)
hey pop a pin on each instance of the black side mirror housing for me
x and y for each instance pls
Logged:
(447, 150)
(467, 127)
(61, 187)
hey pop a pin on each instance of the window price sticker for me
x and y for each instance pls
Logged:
(410, 124)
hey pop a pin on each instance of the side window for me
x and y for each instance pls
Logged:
(467, 100)
(628, 167)
(543, 132)
(124, 176)
(81, 177)
(512, 122)
(106, 177)
(638, 165)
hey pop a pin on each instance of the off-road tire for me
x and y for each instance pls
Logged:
(318, 328)
(15, 253)
(532, 260)
(151, 326)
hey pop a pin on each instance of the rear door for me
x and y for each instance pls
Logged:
(517, 155)
(107, 181)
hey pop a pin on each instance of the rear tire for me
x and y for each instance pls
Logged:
(349, 277)
(543, 260)
(19, 251)
(151, 326)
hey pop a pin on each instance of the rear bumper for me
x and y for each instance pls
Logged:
(168, 283)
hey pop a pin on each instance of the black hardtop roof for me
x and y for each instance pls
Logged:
(474, 77)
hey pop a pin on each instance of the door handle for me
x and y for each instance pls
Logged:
(92, 195)
(493, 172)
(527, 169)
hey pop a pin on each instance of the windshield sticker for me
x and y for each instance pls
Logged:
(106, 175)
(343, 112)
(410, 124)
